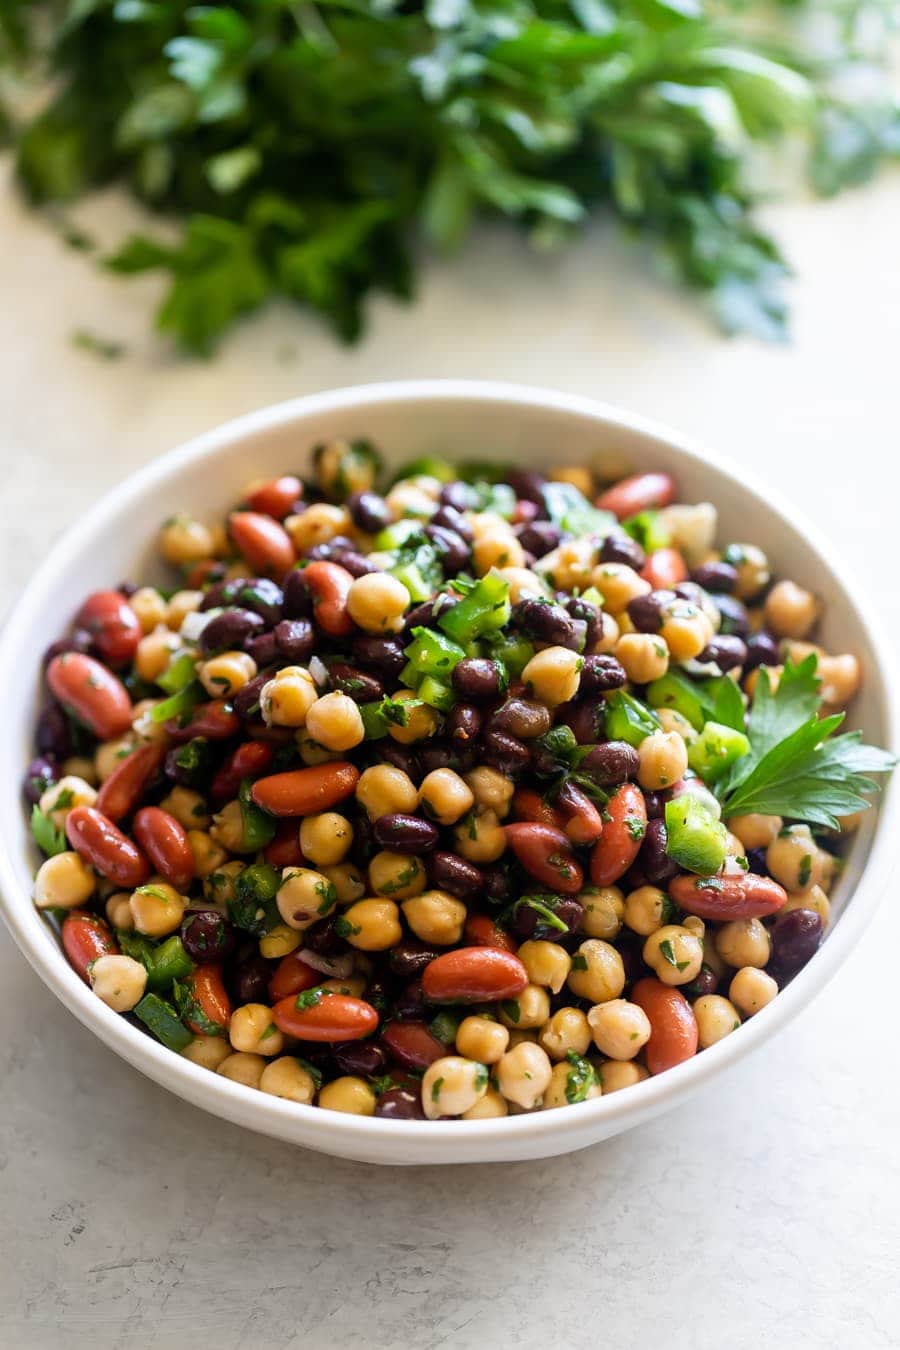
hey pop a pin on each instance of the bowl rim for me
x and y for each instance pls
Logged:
(273, 1115)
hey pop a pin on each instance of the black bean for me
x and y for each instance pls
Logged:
(381, 993)
(539, 537)
(528, 485)
(498, 885)
(795, 940)
(400, 1103)
(361, 1059)
(356, 683)
(724, 651)
(408, 959)
(452, 549)
(410, 1003)
(527, 922)
(450, 872)
(41, 774)
(230, 629)
(459, 496)
(610, 764)
(246, 700)
(477, 679)
(719, 578)
(220, 594)
(450, 519)
(323, 937)
(363, 847)
(585, 718)
(437, 755)
(707, 982)
(655, 802)
(207, 936)
(250, 980)
(262, 596)
(733, 614)
(504, 752)
(756, 858)
(548, 623)
(342, 552)
(653, 860)
(463, 725)
(297, 599)
(53, 735)
(619, 547)
(690, 591)
(592, 616)
(405, 834)
(645, 611)
(522, 717)
(762, 650)
(263, 649)
(295, 640)
(386, 655)
(369, 512)
(426, 614)
(401, 756)
(601, 673)
(80, 640)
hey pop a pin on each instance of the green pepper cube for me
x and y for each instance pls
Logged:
(485, 609)
(374, 721)
(436, 694)
(627, 719)
(168, 962)
(674, 691)
(162, 1020)
(431, 653)
(694, 838)
(715, 750)
(410, 575)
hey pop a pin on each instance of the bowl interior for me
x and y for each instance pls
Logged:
(116, 541)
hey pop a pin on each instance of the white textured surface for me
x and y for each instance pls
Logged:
(765, 1211)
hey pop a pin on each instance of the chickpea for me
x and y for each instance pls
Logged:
(63, 882)
(793, 859)
(335, 722)
(662, 760)
(318, 524)
(157, 909)
(304, 897)
(547, 963)
(445, 796)
(755, 831)
(150, 608)
(694, 924)
(744, 942)
(612, 631)
(343, 468)
(183, 541)
(287, 1078)
(286, 700)
(752, 989)
(491, 789)
(615, 1075)
(385, 790)
(223, 675)
(279, 941)
(686, 630)
(374, 925)
(576, 474)
(604, 911)
(674, 953)
(70, 791)
(435, 916)
(347, 881)
(180, 606)
(497, 550)
(188, 808)
(325, 839)
(620, 1029)
(109, 755)
(523, 584)
(618, 583)
(479, 837)
(207, 854)
(78, 766)
(673, 722)
(841, 678)
(412, 497)
(523, 1075)
(597, 972)
(566, 1032)
(564, 1090)
(716, 1018)
(644, 657)
(252, 1030)
(219, 886)
(352, 1095)
(207, 1051)
(452, 1085)
(118, 911)
(814, 899)
(571, 565)
(752, 567)
(421, 720)
(400, 875)
(243, 1068)
(311, 752)
(482, 1039)
(790, 611)
(489, 1107)
(377, 602)
(354, 986)
(526, 1010)
(143, 725)
(647, 909)
(227, 829)
(553, 675)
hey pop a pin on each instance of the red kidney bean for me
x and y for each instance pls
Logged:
(230, 630)
(41, 774)
(583, 824)
(278, 497)
(166, 845)
(408, 959)
(400, 1103)
(411, 1045)
(306, 792)
(355, 683)
(725, 651)
(477, 679)
(481, 931)
(335, 1017)
(527, 804)
(263, 542)
(744, 896)
(619, 547)
(474, 975)
(329, 585)
(673, 1027)
(215, 721)
(719, 578)
(207, 936)
(113, 626)
(248, 761)
(450, 872)
(291, 977)
(128, 782)
(114, 855)
(610, 764)
(601, 673)
(405, 834)
(209, 1007)
(85, 938)
(53, 735)
(625, 823)
(640, 492)
(665, 567)
(796, 938)
(363, 1059)
(284, 850)
(547, 855)
(96, 696)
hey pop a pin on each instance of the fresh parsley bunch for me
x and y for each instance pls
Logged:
(306, 148)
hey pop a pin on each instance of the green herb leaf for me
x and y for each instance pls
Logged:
(48, 838)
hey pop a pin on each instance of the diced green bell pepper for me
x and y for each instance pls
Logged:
(627, 719)
(694, 838)
(182, 702)
(179, 674)
(485, 609)
(715, 750)
(411, 576)
(161, 1018)
(427, 466)
(512, 652)
(374, 721)
(258, 827)
(674, 691)
(649, 531)
(395, 536)
(436, 694)
(432, 653)
(168, 962)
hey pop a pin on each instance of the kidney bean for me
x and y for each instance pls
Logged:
(230, 630)
(450, 872)
(261, 595)
(329, 585)
(369, 512)
(249, 760)
(334, 1017)
(342, 552)
(619, 547)
(85, 938)
(463, 724)
(527, 922)
(583, 611)
(474, 975)
(655, 801)
(263, 542)
(411, 1045)
(744, 896)
(214, 721)
(277, 498)
(521, 717)
(41, 774)
(583, 824)
(207, 936)
(292, 975)
(707, 982)
(358, 685)
(610, 764)
(384, 655)
(166, 845)
(128, 782)
(665, 568)
(477, 679)
(96, 696)
(482, 931)
(450, 519)
(306, 792)
(452, 549)
(724, 651)
(504, 752)
(498, 885)
(673, 1027)
(362, 1059)
(405, 834)
(734, 617)
(263, 649)
(640, 492)
(284, 849)
(400, 1103)
(539, 537)
(653, 860)
(208, 1007)
(527, 804)
(529, 486)
(96, 838)
(625, 823)
(546, 854)
(762, 650)
(796, 938)
(53, 735)
(719, 578)
(113, 626)
(600, 674)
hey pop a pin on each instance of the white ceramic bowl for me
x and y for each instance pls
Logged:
(466, 420)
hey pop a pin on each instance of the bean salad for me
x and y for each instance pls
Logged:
(463, 794)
